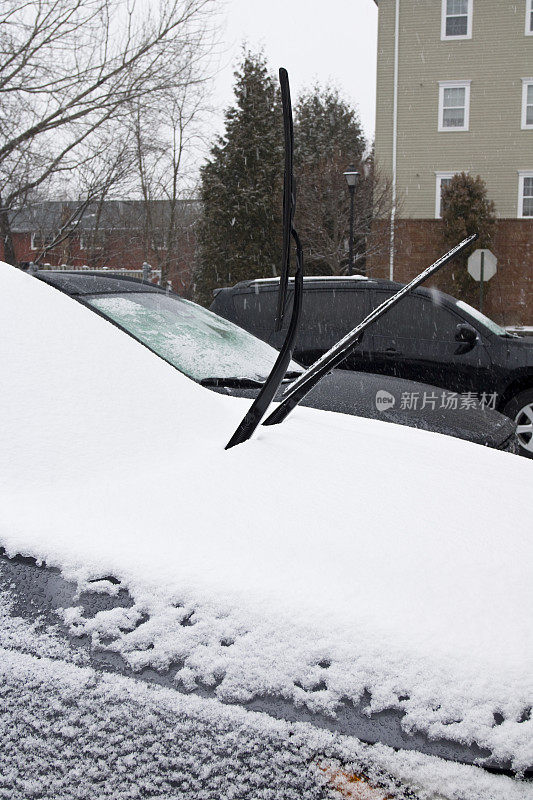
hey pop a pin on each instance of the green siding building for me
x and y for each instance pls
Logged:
(455, 93)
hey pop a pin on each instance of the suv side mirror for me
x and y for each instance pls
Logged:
(465, 333)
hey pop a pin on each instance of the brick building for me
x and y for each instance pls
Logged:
(113, 235)
(454, 94)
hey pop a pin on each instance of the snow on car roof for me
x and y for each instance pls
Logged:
(330, 558)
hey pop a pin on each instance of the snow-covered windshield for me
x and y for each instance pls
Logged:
(194, 340)
(479, 317)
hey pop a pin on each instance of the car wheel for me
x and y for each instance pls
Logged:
(520, 408)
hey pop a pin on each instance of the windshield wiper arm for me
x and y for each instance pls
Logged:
(333, 357)
(261, 403)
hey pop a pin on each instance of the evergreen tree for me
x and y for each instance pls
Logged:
(326, 127)
(466, 210)
(328, 138)
(241, 189)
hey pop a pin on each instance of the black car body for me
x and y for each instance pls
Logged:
(402, 401)
(428, 337)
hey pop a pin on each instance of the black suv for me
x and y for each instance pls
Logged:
(428, 337)
(225, 358)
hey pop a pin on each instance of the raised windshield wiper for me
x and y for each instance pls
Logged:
(261, 403)
(333, 357)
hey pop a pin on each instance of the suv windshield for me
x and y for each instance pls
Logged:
(479, 317)
(192, 339)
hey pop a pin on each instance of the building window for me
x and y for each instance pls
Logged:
(527, 103)
(443, 180)
(93, 240)
(454, 105)
(40, 240)
(529, 17)
(158, 241)
(456, 19)
(525, 194)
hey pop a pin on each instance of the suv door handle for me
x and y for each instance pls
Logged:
(391, 350)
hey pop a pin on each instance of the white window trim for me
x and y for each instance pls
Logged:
(529, 11)
(46, 238)
(438, 189)
(526, 173)
(525, 83)
(468, 34)
(453, 85)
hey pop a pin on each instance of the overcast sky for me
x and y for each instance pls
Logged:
(330, 41)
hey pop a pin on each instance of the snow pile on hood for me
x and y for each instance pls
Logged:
(328, 556)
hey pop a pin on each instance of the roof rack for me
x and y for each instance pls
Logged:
(309, 278)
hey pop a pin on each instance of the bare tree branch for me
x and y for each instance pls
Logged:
(70, 68)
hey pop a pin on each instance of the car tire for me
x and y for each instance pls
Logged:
(520, 409)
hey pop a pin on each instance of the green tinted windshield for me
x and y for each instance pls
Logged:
(194, 340)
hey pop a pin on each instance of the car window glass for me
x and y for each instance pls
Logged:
(256, 311)
(333, 309)
(415, 317)
(193, 339)
(327, 309)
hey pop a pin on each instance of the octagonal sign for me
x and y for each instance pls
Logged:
(489, 266)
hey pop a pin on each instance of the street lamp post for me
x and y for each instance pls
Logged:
(352, 177)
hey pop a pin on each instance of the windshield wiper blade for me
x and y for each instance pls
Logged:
(333, 357)
(233, 382)
(290, 376)
(289, 201)
(261, 403)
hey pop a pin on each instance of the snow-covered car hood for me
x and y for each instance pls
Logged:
(329, 559)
